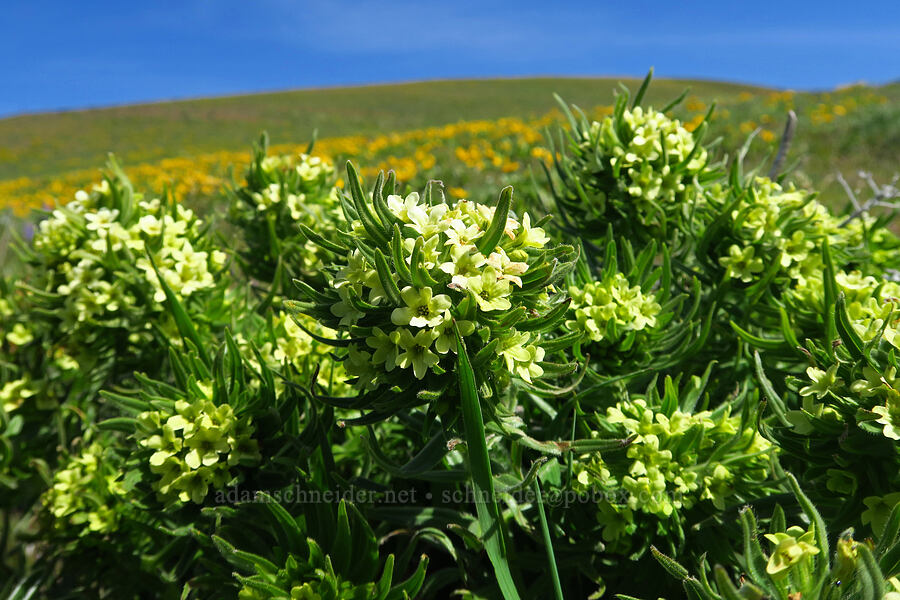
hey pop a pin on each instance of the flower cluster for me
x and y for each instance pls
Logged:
(769, 223)
(281, 193)
(871, 306)
(420, 329)
(646, 152)
(637, 168)
(850, 384)
(419, 270)
(877, 390)
(101, 254)
(870, 303)
(282, 342)
(607, 310)
(800, 562)
(84, 492)
(668, 466)
(195, 445)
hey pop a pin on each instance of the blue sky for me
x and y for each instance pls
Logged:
(60, 54)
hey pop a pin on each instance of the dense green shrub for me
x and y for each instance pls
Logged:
(387, 394)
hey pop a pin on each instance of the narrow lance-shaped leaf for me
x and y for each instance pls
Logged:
(548, 542)
(830, 298)
(495, 230)
(319, 240)
(851, 339)
(643, 89)
(420, 276)
(774, 399)
(670, 564)
(387, 279)
(381, 208)
(399, 256)
(182, 320)
(818, 524)
(369, 221)
(753, 553)
(480, 465)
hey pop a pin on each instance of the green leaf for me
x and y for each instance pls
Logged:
(753, 553)
(427, 458)
(757, 341)
(321, 241)
(821, 533)
(182, 320)
(786, 330)
(341, 551)
(870, 571)
(420, 276)
(486, 354)
(375, 229)
(313, 294)
(891, 529)
(125, 424)
(670, 564)
(547, 321)
(729, 592)
(643, 89)
(410, 588)
(676, 101)
(597, 445)
(399, 256)
(479, 462)
(495, 230)
(290, 536)
(128, 403)
(387, 279)
(848, 334)
(775, 401)
(243, 560)
(548, 541)
(573, 123)
(273, 591)
(387, 576)
(697, 386)
(830, 298)
(562, 342)
(381, 207)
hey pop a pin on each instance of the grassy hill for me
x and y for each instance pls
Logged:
(44, 157)
(42, 144)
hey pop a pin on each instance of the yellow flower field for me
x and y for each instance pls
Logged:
(454, 152)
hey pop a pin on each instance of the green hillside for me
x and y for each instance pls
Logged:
(42, 144)
(44, 157)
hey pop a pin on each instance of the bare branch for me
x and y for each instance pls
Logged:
(790, 127)
(848, 190)
(882, 194)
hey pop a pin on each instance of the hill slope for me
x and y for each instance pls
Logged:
(42, 144)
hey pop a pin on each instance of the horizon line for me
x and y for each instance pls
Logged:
(356, 85)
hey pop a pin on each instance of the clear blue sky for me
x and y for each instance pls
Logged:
(57, 54)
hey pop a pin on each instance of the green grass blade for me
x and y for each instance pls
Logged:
(480, 466)
(548, 542)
